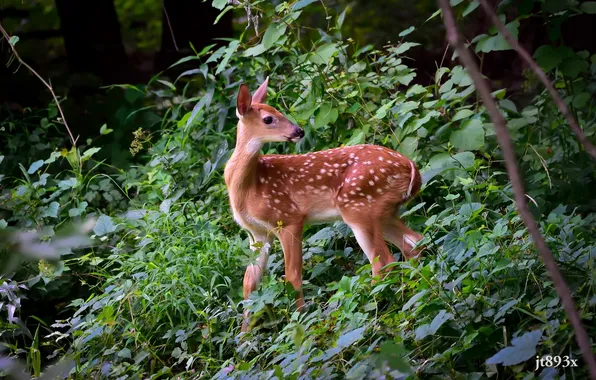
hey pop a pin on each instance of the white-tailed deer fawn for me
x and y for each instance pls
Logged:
(362, 185)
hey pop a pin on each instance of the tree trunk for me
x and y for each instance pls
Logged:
(92, 39)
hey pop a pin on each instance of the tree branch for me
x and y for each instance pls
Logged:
(543, 78)
(499, 122)
(48, 86)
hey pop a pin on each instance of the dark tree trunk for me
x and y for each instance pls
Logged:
(190, 21)
(93, 40)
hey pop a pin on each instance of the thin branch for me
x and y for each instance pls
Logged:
(499, 122)
(165, 12)
(590, 148)
(47, 84)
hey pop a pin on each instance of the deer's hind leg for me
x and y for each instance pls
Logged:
(396, 232)
(369, 234)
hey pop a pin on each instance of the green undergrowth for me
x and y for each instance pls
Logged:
(155, 291)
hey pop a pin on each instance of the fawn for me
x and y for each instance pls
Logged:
(363, 185)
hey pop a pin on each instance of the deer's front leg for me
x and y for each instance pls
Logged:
(291, 242)
(254, 272)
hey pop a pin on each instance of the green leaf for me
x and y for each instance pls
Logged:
(89, 152)
(168, 84)
(272, 34)
(408, 146)
(523, 348)
(13, 40)
(394, 356)
(104, 225)
(255, 50)
(301, 4)
(405, 47)
(357, 67)
(462, 114)
(3, 224)
(104, 130)
(51, 211)
(382, 111)
(219, 4)
(405, 32)
(35, 166)
(581, 100)
(323, 54)
(469, 137)
(415, 298)
(326, 114)
(125, 352)
(430, 329)
(349, 338)
(572, 67)
(357, 138)
(471, 8)
(589, 7)
(548, 57)
(230, 50)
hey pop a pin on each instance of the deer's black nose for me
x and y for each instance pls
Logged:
(300, 132)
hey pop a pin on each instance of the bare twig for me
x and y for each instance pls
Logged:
(47, 84)
(542, 76)
(499, 122)
(165, 12)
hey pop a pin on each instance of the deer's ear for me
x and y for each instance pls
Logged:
(261, 94)
(243, 101)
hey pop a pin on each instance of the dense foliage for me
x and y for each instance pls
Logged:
(155, 291)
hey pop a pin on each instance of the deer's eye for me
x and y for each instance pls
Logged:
(268, 120)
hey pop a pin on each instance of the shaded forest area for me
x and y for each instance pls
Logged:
(119, 254)
(83, 46)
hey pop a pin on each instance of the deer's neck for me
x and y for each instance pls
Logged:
(240, 173)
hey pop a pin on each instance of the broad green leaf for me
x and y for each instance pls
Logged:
(508, 105)
(470, 8)
(405, 47)
(35, 166)
(430, 329)
(357, 138)
(408, 146)
(581, 100)
(415, 90)
(125, 352)
(574, 66)
(414, 299)
(255, 50)
(349, 338)
(548, 57)
(51, 210)
(3, 224)
(589, 7)
(382, 111)
(323, 54)
(357, 67)
(13, 40)
(394, 356)
(89, 152)
(469, 137)
(104, 130)
(462, 114)
(405, 32)
(104, 225)
(326, 114)
(272, 34)
(522, 349)
(301, 4)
